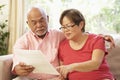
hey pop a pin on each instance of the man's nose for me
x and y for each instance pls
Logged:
(39, 24)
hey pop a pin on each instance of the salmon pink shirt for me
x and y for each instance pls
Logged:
(48, 45)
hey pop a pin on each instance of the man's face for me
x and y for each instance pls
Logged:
(37, 22)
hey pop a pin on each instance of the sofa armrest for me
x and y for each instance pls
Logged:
(5, 67)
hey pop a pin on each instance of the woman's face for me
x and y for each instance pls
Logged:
(70, 29)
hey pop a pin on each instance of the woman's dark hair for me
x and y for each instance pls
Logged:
(74, 15)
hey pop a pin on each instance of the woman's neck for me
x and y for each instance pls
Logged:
(79, 39)
(79, 42)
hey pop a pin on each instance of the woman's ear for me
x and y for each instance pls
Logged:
(81, 24)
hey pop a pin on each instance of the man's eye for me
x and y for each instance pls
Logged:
(68, 26)
(61, 27)
(34, 23)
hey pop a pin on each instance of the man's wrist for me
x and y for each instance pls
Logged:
(14, 72)
(14, 75)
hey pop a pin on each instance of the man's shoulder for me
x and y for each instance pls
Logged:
(55, 32)
(26, 35)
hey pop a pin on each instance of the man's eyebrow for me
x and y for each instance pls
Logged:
(41, 18)
(33, 20)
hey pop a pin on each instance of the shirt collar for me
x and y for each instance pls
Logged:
(37, 36)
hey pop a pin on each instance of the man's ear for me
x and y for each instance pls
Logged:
(27, 22)
(47, 18)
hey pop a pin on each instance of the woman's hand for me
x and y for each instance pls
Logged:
(65, 69)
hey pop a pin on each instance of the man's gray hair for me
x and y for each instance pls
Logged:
(42, 10)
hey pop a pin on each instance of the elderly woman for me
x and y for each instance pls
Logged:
(82, 54)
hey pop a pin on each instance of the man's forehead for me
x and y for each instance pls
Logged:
(34, 11)
(36, 19)
(36, 14)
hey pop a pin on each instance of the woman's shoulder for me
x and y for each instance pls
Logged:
(64, 41)
(95, 36)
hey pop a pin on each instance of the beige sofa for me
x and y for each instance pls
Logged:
(113, 60)
(5, 67)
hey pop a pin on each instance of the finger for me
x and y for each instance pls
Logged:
(22, 64)
(63, 72)
(64, 75)
(111, 40)
(30, 70)
(112, 43)
(58, 68)
(22, 72)
(28, 67)
(25, 73)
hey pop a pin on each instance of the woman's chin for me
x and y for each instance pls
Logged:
(68, 37)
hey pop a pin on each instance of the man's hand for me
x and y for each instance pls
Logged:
(23, 70)
(109, 39)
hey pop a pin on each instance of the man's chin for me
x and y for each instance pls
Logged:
(41, 34)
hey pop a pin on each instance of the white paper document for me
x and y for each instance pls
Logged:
(37, 59)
